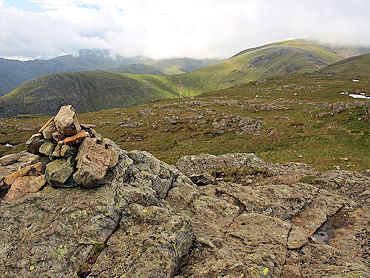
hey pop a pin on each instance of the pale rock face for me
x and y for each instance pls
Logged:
(66, 121)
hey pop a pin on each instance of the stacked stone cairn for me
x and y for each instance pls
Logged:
(75, 154)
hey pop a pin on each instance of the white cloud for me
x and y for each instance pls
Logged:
(167, 28)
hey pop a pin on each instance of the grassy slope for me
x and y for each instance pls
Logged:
(86, 91)
(294, 56)
(286, 134)
(353, 67)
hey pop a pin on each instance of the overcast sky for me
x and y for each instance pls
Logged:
(175, 28)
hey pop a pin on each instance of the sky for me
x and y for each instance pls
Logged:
(175, 28)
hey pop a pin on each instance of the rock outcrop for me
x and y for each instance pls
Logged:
(113, 213)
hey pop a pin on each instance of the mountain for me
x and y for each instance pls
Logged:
(13, 72)
(294, 56)
(87, 90)
(357, 66)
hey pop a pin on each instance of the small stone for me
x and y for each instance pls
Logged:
(57, 150)
(25, 185)
(57, 136)
(67, 151)
(34, 143)
(9, 159)
(58, 172)
(66, 121)
(47, 148)
(76, 139)
(49, 130)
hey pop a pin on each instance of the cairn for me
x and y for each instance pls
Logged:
(75, 154)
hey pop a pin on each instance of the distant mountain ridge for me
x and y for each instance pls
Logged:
(293, 56)
(13, 72)
(92, 91)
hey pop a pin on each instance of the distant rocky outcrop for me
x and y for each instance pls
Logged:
(79, 206)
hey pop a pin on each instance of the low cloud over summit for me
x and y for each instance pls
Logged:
(47, 28)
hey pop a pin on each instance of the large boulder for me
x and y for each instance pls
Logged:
(66, 121)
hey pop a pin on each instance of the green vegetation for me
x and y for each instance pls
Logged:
(290, 107)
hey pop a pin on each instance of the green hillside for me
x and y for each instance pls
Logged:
(357, 66)
(86, 91)
(294, 56)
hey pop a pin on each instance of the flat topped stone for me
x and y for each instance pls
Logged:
(76, 139)
(66, 121)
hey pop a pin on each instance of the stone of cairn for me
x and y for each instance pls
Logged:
(79, 156)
